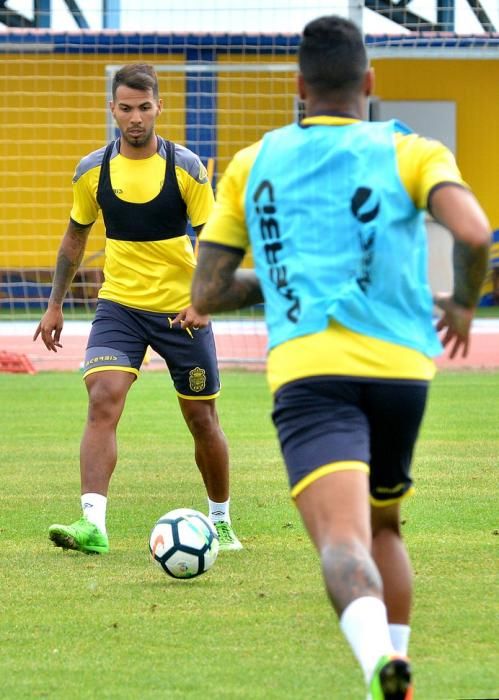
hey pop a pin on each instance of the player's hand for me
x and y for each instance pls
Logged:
(189, 318)
(50, 328)
(454, 324)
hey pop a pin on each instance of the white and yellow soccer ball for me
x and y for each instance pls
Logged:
(184, 543)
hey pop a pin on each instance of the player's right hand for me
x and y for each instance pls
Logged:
(50, 328)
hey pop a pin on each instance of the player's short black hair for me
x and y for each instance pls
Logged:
(332, 56)
(138, 76)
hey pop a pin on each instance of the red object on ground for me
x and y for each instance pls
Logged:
(15, 362)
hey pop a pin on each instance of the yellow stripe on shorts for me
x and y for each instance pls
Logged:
(111, 368)
(377, 503)
(328, 469)
(204, 397)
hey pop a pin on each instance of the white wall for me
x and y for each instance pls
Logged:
(440, 244)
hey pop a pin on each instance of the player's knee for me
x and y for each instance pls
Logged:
(201, 417)
(385, 519)
(105, 401)
(202, 420)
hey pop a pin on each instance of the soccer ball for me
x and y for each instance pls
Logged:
(184, 543)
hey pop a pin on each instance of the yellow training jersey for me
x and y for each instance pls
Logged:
(422, 165)
(148, 270)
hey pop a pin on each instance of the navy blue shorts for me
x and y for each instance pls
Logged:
(121, 335)
(326, 424)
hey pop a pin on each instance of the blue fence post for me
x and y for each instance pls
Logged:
(201, 105)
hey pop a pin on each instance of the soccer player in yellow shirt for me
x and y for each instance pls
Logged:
(333, 209)
(147, 188)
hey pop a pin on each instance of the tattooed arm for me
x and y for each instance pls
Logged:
(458, 210)
(69, 259)
(218, 285)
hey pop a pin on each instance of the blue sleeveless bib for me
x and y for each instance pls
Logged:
(335, 235)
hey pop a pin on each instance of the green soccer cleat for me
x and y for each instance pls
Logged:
(391, 679)
(226, 536)
(82, 535)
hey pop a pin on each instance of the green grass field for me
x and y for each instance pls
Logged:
(257, 626)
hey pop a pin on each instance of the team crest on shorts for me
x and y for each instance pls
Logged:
(197, 379)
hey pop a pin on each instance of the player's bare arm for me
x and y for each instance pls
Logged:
(458, 210)
(69, 259)
(218, 285)
(189, 317)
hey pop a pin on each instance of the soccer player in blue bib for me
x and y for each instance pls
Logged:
(147, 188)
(333, 210)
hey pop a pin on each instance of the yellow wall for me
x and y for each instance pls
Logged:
(249, 104)
(473, 86)
(54, 111)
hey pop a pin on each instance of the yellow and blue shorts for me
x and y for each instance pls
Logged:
(120, 336)
(329, 423)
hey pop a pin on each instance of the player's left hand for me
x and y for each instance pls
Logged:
(454, 324)
(189, 318)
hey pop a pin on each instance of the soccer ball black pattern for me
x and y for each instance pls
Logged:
(184, 543)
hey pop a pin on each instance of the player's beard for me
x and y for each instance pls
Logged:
(142, 139)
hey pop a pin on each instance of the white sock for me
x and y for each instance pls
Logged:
(94, 509)
(399, 634)
(219, 511)
(365, 625)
